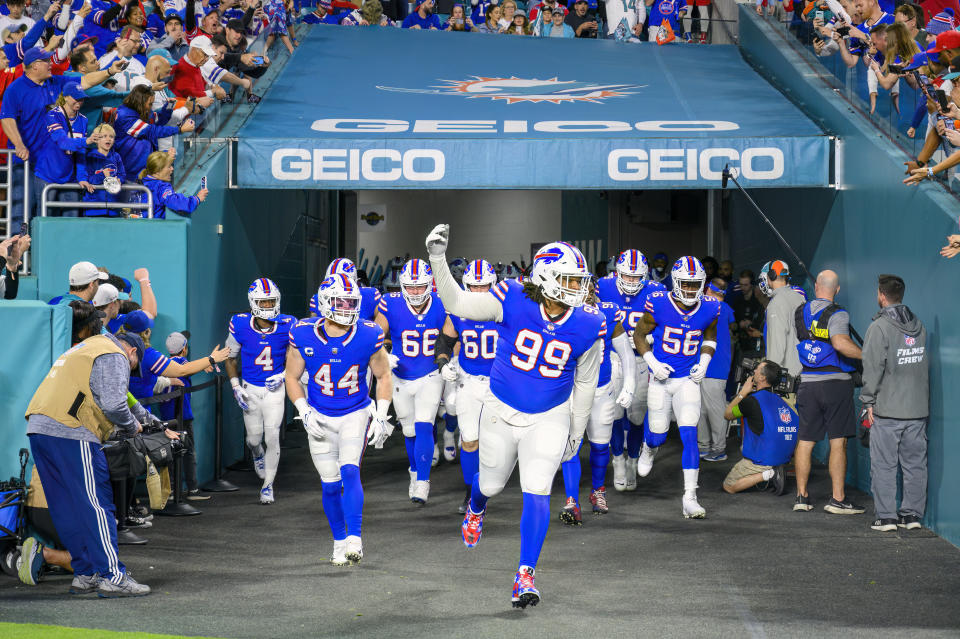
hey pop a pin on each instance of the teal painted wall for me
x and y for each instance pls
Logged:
(873, 225)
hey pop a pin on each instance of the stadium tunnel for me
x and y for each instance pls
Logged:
(516, 142)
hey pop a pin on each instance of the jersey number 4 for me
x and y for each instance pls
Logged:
(349, 382)
(265, 359)
(530, 344)
(675, 341)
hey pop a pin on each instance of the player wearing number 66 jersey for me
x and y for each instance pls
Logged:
(412, 320)
(683, 325)
(542, 384)
(260, 339)
(471, 372)
(335, 351)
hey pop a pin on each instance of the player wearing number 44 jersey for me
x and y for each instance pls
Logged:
(412, 320)
(335, 350)
(260, 339)
(683, 325)
(542, 384)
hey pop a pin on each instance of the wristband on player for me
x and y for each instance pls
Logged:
(301, 405)
(234, 382)
(930, 172)
(712, 344)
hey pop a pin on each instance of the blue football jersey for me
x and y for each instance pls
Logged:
(631, 305)
(478, 345)
(720, 363)
(679, 332)
(613, 316)
(337, 366)
(414, 336)
(262, 353)
(151, 367)
(668, 10)
(369, 299)
(536, 359)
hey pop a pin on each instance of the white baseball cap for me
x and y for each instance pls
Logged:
(82, 273)
(106, 294)
(203, 43)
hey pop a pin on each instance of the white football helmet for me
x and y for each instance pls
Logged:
(261, 291)
(688, 278)
(560, 270)
(479, 273)
(631, 264)
(416, 273)
(338, 299)
(342, 266)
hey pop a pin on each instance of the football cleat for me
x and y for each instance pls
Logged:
(599, 500)
(354, 549)
(259, 467)
(630, 481)
(619, 473)
(339, 556)
(462, 508)
(436, 456)
(266, 494)
(413, 483)
(472, 528)
(692, 508)
(421, 492)
(449, 446)
(645, 461)
(525, 593)
(570, 513)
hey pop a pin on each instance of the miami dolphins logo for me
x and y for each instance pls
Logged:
(514, 90)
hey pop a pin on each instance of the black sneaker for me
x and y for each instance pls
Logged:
(779, 480)
(253, 98)
(803, 503)
(196, 495)
(462, 508)
(136, 522)
(910, 522)
(842, 507)
(141, 511)
(884, 525)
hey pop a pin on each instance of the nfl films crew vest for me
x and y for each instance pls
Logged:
(65, 396)
(775, 446)
(817, 355)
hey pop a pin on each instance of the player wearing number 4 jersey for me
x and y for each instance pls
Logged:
(412, 320)
(471, 371)
(335, 351)
(260, 339)
(542, 384)
(683, 325)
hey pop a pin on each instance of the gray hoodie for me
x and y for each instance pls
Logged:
(896, 366)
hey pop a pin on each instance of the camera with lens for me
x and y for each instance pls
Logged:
(180, 444)
(785, 385)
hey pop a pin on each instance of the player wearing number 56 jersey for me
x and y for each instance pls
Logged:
(683, 324)
(542, 384)
(412, 320)
(335, 351)
(260, 339)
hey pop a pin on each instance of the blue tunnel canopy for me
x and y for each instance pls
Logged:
(389, 108)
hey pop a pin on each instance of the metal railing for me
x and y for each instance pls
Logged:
(7, 168)
(110, 206)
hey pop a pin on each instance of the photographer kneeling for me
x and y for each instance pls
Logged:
(769, 431)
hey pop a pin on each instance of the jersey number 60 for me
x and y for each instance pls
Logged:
(555, 353)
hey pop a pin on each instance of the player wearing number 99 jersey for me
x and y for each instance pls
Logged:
(412, 320)
(260, 339)
(542, 384)
(683, 324)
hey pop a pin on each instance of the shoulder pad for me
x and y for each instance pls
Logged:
(242, 315)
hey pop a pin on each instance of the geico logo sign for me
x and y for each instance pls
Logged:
(338, 125)
(353, 165)
(631, 165)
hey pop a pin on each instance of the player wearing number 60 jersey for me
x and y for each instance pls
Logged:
(542, 384)
(412, 320)
(629, 290)
(260, 339)
(471, 373)
(683, 324)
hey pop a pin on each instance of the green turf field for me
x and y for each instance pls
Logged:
(37, 631)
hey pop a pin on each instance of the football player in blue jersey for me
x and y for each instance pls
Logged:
(629, 289)
(542, 384)
(470, 371)
(683, 325)
(412, 320)
(610, 394)
(335, 351)
(369, 296)
(260, 339)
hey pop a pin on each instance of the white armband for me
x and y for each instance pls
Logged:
(711, 343)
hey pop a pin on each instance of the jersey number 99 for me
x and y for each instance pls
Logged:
(530, 344)
(415, 345)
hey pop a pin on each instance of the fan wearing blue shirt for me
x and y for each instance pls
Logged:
(422, 17)
(66, 139)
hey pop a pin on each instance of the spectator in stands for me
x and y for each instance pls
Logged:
(369, 14)
(480, 8)
(84, 62)
(748, 312)
(159, 65)
(138, 129)
(952, 249)
(322, 14)
(84, 280)
(174, 40)
(907, 16)
(209, 24)
(237, 58)
(16, 18)
(13, 34)
(108, 300)
(769, 432)
(779, 331)
(508, 8)
(551, 4)
(520, 26)
(492, 20)
(712, 428)
(11, 251)
(96, 166)
(188, 80)
(940, 23)
(900, 49)
(859, 37)
(947, 47)
(125, 49)
(583, 23)
(553, 24)
(276, 11)
(422, 17)
(458, 20)
(896, 398)
(156, 176)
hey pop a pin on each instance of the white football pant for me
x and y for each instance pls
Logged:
(470, 394)
(676, 397)
(262, 423)
(344, 439)
(600, 423)
(417, 400)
